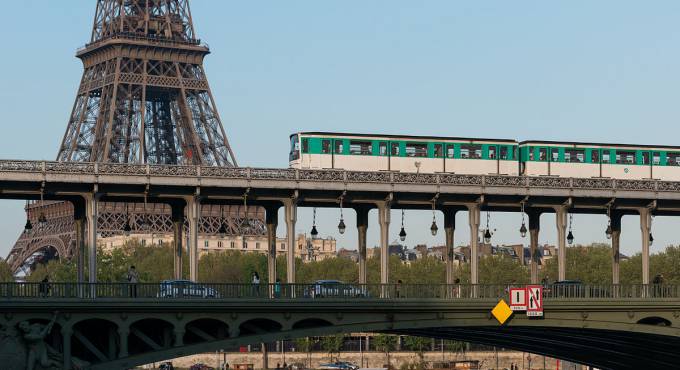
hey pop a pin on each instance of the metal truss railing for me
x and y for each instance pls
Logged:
(181, 290)
(338, 176)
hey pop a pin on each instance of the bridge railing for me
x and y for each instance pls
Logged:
(188, 290)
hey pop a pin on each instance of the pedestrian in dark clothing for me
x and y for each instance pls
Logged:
(44, 287)
(277, 288)
(133, 279)
(256, 283)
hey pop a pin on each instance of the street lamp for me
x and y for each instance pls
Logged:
(402, 233)
(223, 225)
(434, 228)
(127, 229)
(42, 220)
(314, 233)
(523, 228)
(341, 225)
(29, 226)
(570, 236)
(487, 233)
(609, 230)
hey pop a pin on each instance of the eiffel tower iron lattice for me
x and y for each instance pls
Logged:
(143, 98)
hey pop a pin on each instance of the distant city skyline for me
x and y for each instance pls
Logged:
(574, 71)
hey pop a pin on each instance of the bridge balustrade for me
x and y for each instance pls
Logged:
(222, 291)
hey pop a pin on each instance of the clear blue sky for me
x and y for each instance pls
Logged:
(603, 71)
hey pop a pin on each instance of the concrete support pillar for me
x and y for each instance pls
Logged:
(616, 243)
(91, 203)
(362, 228)
(291, 217)
(178, 235)
(646, 228)
(534, 228)
(194, 216)
(272, 221)
(123, 334)
(79, 222)
(449, 256)
(561, 214)
(474, 215)
(384, 210)
(66, 334)
(179, 337)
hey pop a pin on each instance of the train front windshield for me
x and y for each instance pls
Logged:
(294, 148)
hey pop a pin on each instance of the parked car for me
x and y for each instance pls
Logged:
(166, 366)
(201, 366)
(185, 288)
(333, 288)
(339, 365)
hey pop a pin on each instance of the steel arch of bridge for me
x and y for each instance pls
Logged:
(602, 333)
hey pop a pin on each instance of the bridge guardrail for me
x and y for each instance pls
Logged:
(221, 291)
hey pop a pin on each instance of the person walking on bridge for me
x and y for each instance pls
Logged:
(256, 283)
(133, 279)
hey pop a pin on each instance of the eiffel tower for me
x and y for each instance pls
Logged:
(143, 98)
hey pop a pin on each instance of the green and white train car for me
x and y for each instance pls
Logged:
(619, 161)
(424, 154)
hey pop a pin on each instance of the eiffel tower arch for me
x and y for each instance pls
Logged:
(144, 98)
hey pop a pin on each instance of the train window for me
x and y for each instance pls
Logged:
(416, 150)
(531, 154)
(542, 154)
(360, 147)
(450, 151)
(294, 148)
(338, 147)
(574, 155)
(471, 151)
(555, 155)
(595, 156)
(325, 146)
(382, 147)
(605, 156)
(625, 157)
(305, 145)
(438, 150)
(673, 159)
(656, 158)
(492, 152)
(395, 149)
(645, 158)
(504, 152)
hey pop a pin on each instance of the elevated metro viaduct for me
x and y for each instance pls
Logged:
(122, 333)
(85, 184)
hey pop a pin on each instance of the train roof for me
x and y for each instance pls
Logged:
(408, 137)
(550, 142)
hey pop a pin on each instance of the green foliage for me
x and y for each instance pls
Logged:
(589, 264)
(332, 344)
(385, 343)
(6, 275)
(417, 345)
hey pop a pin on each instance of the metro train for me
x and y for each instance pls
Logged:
(471, 156)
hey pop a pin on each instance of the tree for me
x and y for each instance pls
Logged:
(417, 345)
(385, 343)
(6, 275)
(306, 344)
(332, 344)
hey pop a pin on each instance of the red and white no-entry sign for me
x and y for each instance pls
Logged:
(518, 299)
(534, 300)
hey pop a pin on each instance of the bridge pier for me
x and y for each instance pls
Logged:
(178, 234)
(124, 334)
(362, 228)
(79, 223)
(66, 334)
(450, 256)
(272, 221)
(194, 215)
(384, 210)
(91, 203)
(473, 215)
(646, 228)
(561, 214)
(534, 228)
(616, 242)
(291, 217)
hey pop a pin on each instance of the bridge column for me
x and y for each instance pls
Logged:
(124, 334)
(449, 256)
(362, 228)
(79, 220)
(272, 221)
(534, 228)
(646, 228)
(473, 215)
(66, 333)
(194, 215)
(384, 210)
(178, 235)
(91, 203)
(561, 221)
(290, 207)
(616, 242)
(179, 337)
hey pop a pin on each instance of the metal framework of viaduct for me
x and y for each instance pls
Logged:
(86, 184)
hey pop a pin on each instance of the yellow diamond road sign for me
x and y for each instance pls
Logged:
(501, 312)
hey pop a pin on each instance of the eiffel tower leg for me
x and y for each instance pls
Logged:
(178, 230)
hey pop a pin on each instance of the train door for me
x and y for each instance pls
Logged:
(493, 155)
(645, 159)
(383, 157)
